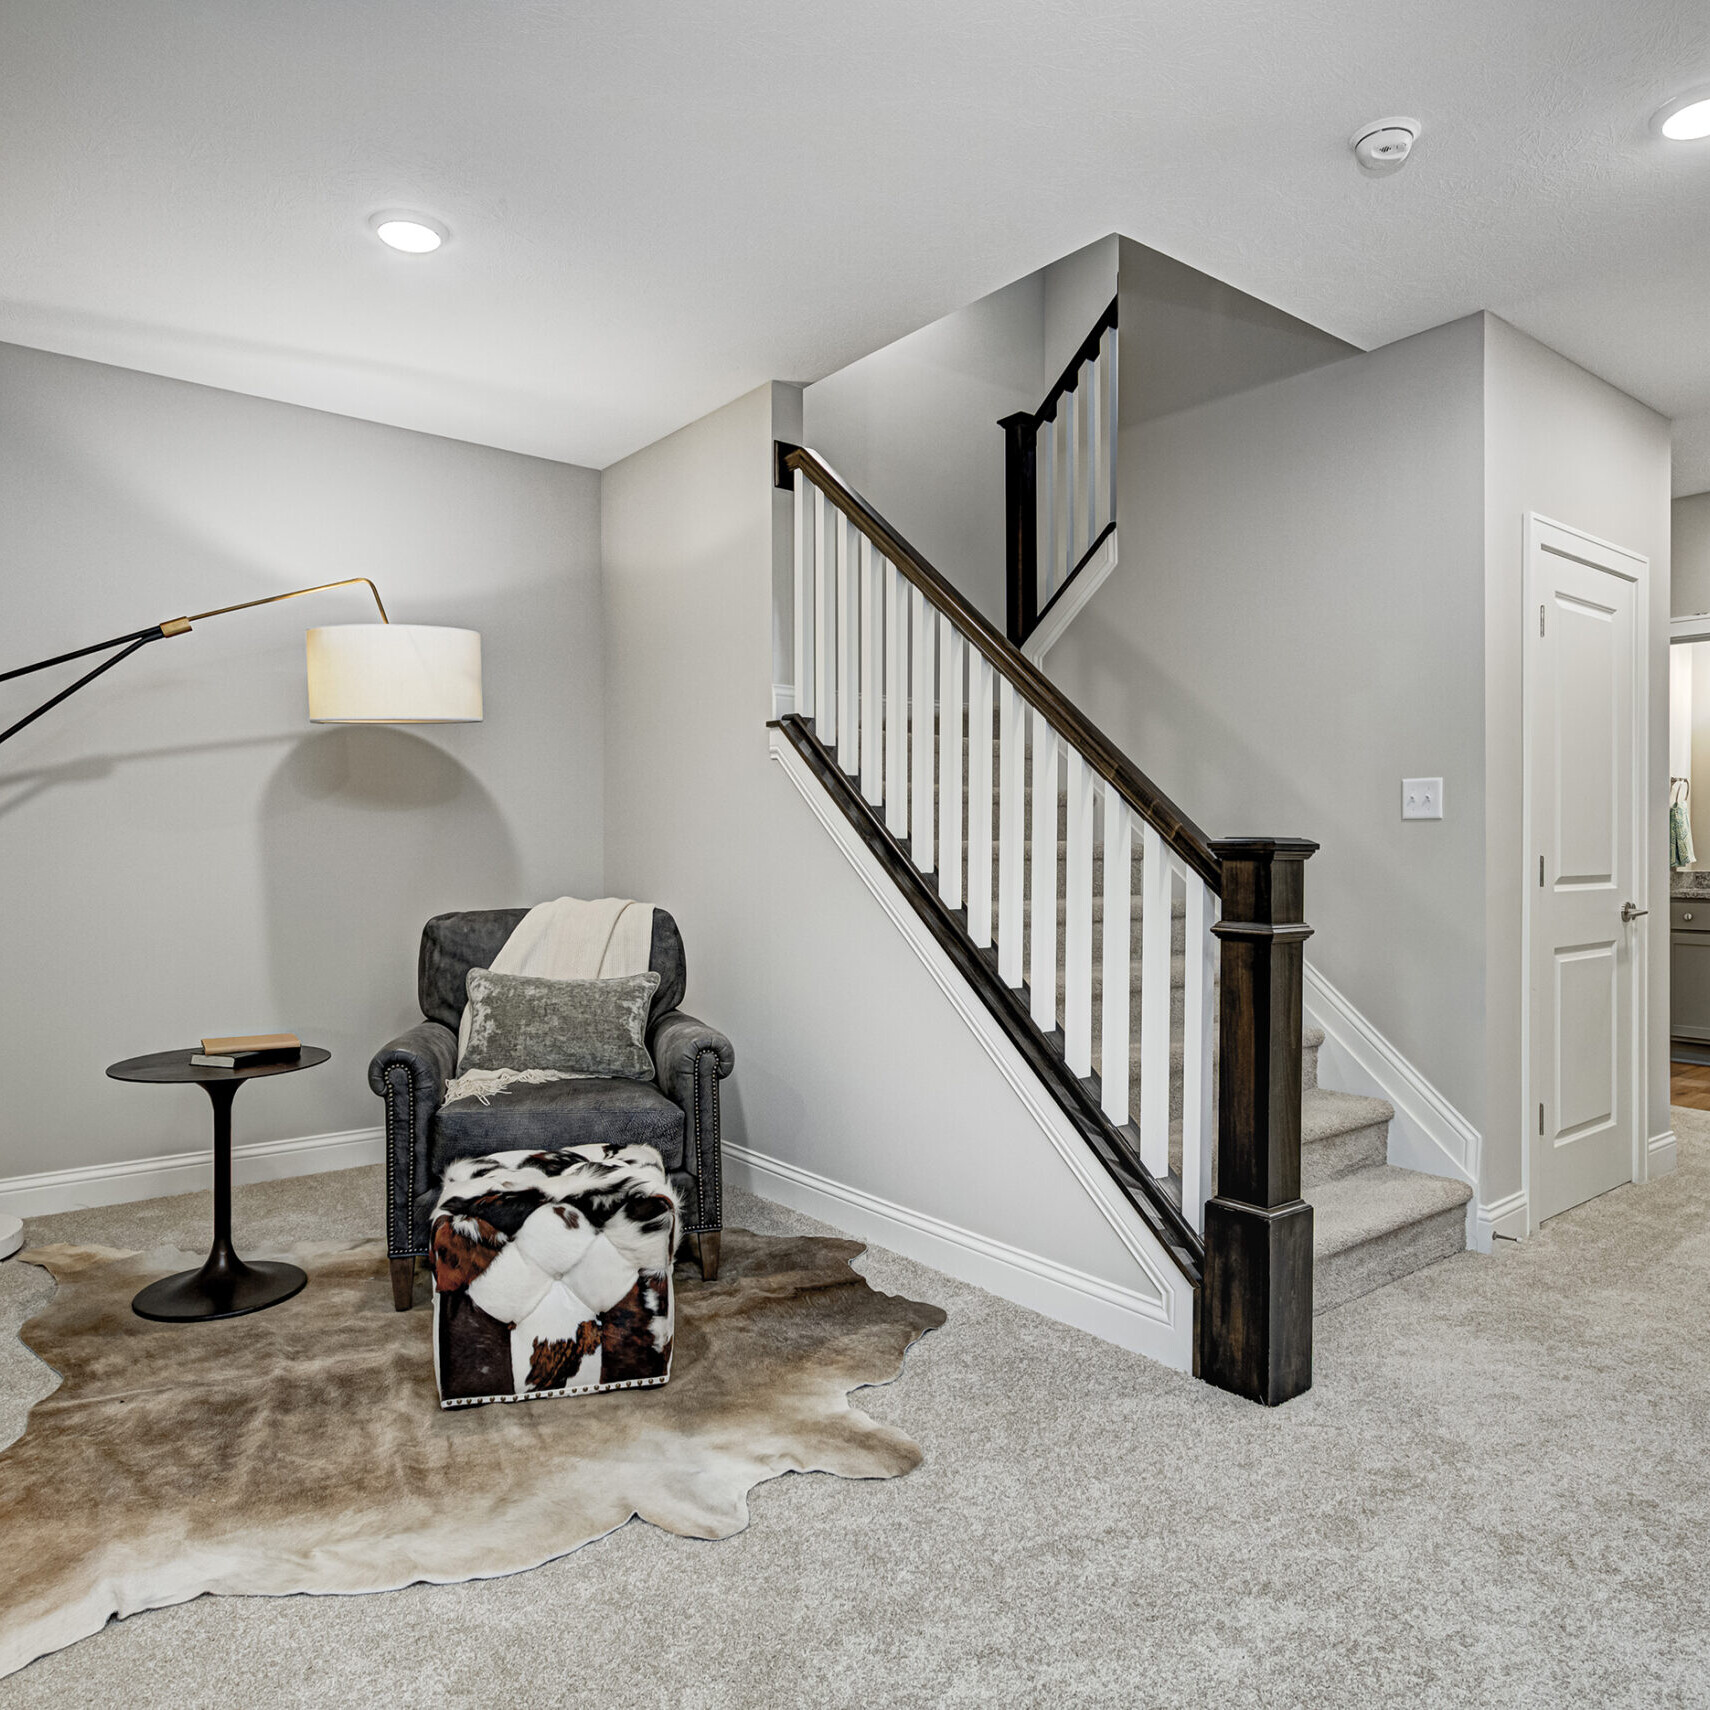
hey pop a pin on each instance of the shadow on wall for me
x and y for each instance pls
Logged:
(18, 789)
(367, 831)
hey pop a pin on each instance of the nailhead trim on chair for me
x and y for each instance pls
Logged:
(407, 1250)
(553, 1394)
(702, 1175)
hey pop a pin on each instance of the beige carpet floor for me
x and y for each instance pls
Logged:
(1497, 1492)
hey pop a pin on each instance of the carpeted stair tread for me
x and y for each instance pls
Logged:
(1325, 1114)
(1341, 1133)
(1378, 1224)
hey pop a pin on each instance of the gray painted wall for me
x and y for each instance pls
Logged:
(913, 428)
(183, 853)
(1690, 592)
(1187, 338)
(1319, 595)
(1562, 443)
(851, 1062)
(1077, 290)
(1293, 628)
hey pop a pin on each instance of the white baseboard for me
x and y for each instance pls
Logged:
(186, 1172)
(1504, 1217)
(1664, 1153)
(1088, 580)
(1104, 1309)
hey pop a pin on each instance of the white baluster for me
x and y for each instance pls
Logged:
(981, 802)
(1012, 830)
(949, 764)
(1095, 446)
(825, 519)
(1198, 1032)
(848, 640)
(872, 669)
(896, 702)
(1113, 350)
(1118, 952)
(1077, 917)
(920, 814)
(1043, 926)
(802, 618)
(1049, 558)
(1155, 890)
(1072, 483)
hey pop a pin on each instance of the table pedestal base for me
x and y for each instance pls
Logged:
(225, 1287)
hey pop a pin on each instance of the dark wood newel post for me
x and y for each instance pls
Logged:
(1021, 524)
(1256, 1301)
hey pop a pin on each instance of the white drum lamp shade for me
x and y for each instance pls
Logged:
(394, 673)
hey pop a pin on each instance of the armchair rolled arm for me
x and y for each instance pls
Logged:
(428, 1052)
(677, 1042)
(690, 1060)
(410, 1075)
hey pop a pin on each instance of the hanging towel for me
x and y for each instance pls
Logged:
(1680, 850)
(563, 940)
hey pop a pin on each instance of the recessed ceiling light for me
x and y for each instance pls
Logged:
(1686, 119)
(414, 234)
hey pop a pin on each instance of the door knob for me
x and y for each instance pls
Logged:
(1630, 914)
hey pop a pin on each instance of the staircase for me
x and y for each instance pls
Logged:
(1042, 861)
(1373, 1222)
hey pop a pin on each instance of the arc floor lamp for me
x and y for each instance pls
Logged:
(360, 673)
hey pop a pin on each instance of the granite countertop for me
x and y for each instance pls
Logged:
(1690, 882)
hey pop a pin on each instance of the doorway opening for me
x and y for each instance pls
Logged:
(1689, 862)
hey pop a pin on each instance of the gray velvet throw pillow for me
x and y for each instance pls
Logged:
(579, 1027)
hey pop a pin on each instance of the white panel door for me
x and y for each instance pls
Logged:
(1586, 877)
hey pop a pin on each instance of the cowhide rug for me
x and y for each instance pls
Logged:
(303, 1449)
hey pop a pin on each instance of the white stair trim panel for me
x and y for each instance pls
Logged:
(127, 1180)
(1156, 1317)
(1105, 1309)
(1427, 1133)
(1054, 625)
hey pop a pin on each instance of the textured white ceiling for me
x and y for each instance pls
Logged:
(655, 208)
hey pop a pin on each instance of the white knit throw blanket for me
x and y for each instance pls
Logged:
(564, 940)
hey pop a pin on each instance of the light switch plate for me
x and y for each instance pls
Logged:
(1421, 798)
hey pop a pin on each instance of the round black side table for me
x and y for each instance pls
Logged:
(225, 1287)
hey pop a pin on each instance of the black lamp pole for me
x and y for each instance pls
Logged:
(128, 644)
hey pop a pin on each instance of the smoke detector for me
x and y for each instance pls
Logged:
(1383, 146)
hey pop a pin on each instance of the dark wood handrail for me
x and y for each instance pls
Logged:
(1070, 377)
(1099, 752)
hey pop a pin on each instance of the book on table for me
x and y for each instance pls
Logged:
(247, 1050)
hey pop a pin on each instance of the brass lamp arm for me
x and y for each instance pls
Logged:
(273, 599)
(158, 632)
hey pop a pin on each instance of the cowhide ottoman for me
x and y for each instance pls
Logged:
(552, 1274)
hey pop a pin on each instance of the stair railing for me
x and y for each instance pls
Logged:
(1060, 480)
(900, 686)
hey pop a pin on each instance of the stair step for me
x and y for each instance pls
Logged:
(1310, 1039)
(1378, 1224)
(1341, 1133)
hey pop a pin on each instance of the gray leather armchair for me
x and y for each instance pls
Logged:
(677, 1114)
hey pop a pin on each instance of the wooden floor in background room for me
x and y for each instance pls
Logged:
(1689, 1084)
